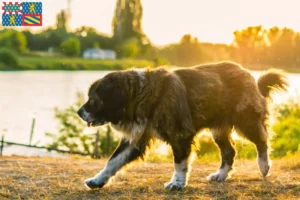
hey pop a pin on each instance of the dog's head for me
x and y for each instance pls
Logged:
(106, 103)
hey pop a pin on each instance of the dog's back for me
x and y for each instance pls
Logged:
(217, 91)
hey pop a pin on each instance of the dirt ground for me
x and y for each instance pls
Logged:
(52, 178)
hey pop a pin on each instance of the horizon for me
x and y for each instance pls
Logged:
(196, 19)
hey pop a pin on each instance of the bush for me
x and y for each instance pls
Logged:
(206, 148)
(286, 140)
(129, 48)
(2, 66)
(13, 40)
(8, 58)
(71, 134)
(71, 47)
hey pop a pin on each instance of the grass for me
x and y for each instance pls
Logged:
(52, 178)
(56, 63)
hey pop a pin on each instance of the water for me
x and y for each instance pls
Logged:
(24, 95)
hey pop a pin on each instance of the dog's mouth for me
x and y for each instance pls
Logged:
(96, 123)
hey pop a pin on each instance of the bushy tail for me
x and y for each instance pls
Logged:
(271, 80)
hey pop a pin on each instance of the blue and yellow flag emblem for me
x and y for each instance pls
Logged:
(11, 20)
(32, 7)
(22, 14)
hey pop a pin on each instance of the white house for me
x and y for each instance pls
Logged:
(101, 54)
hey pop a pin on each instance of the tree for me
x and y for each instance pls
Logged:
(297, 48)
(14, 40)
(61, 21)
(187, 52)
(282, 48)
(71, 47)
(249, 44)
(8, 58)
(127, 21)
(129, 48)
(90, 38)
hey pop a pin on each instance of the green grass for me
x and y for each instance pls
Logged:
(52, 178)
(56, 63)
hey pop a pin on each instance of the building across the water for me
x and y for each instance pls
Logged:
(100, 54)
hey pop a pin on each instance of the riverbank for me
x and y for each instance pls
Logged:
(54, 178)
(64, 63)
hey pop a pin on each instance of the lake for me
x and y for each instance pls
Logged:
(29, 94)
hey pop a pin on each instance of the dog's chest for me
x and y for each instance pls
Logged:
(131, 130)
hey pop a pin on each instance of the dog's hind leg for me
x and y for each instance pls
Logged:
(124, 154)
(222, 137)
(257, 133)
(181, 151)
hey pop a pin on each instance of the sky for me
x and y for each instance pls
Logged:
(166, 21)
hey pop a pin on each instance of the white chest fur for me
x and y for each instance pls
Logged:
(131, 130)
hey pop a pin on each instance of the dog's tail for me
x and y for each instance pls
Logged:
(272, 80)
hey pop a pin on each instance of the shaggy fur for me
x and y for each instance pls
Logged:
(175, 106)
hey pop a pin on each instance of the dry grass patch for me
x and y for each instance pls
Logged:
(51, 178)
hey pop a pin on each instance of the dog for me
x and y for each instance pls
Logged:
(174, 106)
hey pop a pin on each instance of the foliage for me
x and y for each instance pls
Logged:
(90, 38)
(267, 46)
(71, 134)
(71, 47)
(207, 148)
(48, 38)
(249, 43)
(128, 35)
(8, 58)
(129, 48)
(286, 140)
(61, 21)
(14, 40)
(127, 21)
(188, 51)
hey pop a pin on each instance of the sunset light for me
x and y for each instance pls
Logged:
(92, 89)
(168, 20)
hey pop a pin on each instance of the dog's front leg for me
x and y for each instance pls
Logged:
(181, 152)
(124, 154)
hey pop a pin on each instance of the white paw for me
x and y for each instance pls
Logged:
(174, 186)
(264, 166)
(217, 177)
(220, 175)
(95, 183)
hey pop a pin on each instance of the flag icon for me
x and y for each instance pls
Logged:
(11, 20)
(32, 7)
(32, 20)
(22, 14)
(11, 8)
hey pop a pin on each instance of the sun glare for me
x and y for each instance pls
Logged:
(167, 21)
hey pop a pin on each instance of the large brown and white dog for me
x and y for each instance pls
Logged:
(174, 106)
